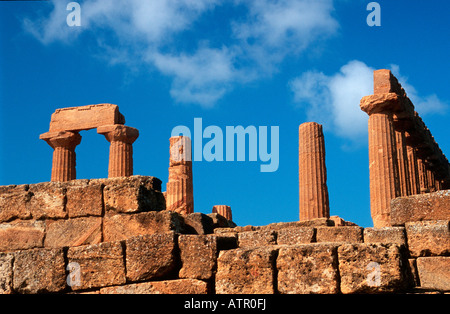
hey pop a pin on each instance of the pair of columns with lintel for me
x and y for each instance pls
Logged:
(121, 138)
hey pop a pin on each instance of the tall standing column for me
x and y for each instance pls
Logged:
(383, 164)
(121, 140)
(313, 191)
(384, 184)
(180, 187)
(64, 157)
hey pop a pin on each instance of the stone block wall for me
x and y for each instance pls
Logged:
(114, 236)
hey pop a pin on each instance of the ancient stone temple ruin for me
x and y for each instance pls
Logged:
(64, 137)
(404, 158)
(123, 234)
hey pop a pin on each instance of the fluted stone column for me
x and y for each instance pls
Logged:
(384, 184)
(64, 157)
(180, 187)
(313, 191)
(223, 210)
(383, 164)
(403, 165)
(121, 140)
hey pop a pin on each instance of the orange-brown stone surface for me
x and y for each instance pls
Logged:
(64, 157)
(180, 189)
(404, 158)
(383, 167)
(85, 117)
(223, 210)
(428, 206)
(313, 191)
(63, 137)
(121, 138)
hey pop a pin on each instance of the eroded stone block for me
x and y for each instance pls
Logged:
(372, 268)
(292, 236)
(6, 273)
(21, 235)
(434, 272)
(47, 200)
(179, 286)
(198, 256)
(74, 232)
(133, 194)
(347, 234)
(385, 235)
(39, 270)
(246, 270)
(150, 256)
(429, 206)
(13, 202)
(257, 238)
(308, 268)
(428, 238)
(84, 200)
(124, 226)
(100, 265)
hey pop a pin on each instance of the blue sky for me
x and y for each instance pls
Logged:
(231, 63)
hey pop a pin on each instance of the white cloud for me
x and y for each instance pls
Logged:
(334, 100)
(202, 78)
(292, 22)
(150, 34)
(274, 29)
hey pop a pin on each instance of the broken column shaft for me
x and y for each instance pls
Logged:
(180, 191)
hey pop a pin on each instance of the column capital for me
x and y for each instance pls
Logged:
(381, 103)
(65, 139)
(119, 132)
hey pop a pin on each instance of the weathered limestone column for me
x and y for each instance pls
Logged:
(384, 184)
(180, 187)
(121, 140)
(64, 157)
(223, 210)
(403, 165)
(313, 191)
(383, 164)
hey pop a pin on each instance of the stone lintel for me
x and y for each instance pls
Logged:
(85, 117)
